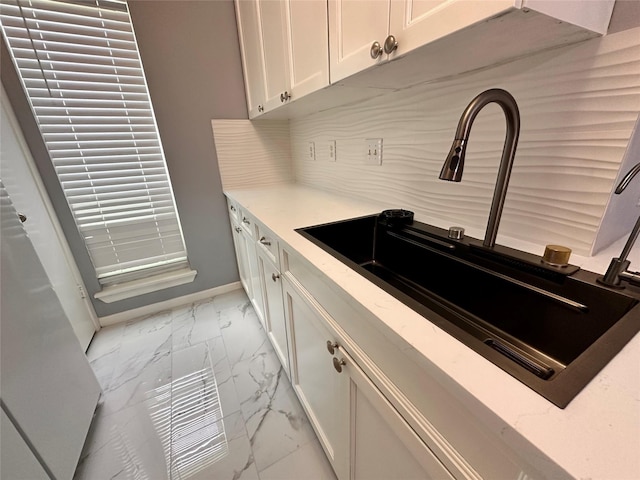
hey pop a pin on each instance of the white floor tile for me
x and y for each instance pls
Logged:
(196, 393)
(309, 462)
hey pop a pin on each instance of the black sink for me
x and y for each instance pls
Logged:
(553, 328)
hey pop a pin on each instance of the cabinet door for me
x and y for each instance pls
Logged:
(276, 67)
(240, 245)
(308, 46)
(418, 22)
(249, 31)
(382, 444)
(353, 27)
(255, 280)
(274, 310)
(322, 392)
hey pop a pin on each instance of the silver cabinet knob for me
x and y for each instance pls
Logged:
(238, 229)
(246, 221)
(233, 209)
(285, 96)
(390, 44)
(22, 217)
(264, 241)
(260, 108)
(275, 276)
(338, 364)
(376, 50)
(332, 346)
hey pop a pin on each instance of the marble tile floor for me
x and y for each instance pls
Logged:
(196, 393)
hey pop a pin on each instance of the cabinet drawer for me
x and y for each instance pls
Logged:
(246, 222)
(268, 242)
(233, 210)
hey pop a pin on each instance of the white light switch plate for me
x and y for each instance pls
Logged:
(312, 150)
(373, 151)
(331, 150)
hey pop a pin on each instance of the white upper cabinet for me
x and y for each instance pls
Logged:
(354, 27)
(250, 32)
(308, 46)
(366, 33)
(284, 50)
(276, 64)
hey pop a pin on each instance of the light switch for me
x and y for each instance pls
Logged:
(373, 151)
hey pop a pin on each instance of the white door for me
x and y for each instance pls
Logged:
(48, 387)
(16, 458)
(252, 55)
(382, 444)
(273, 310)
(22, 182)
(276, 61)
(353, 27)
(418, 22)
(308, 47)
(321, 390)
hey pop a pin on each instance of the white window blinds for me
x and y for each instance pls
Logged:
(81, 69)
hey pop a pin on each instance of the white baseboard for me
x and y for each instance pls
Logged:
(167, 304)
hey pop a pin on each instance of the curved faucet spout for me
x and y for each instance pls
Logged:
(454, 163)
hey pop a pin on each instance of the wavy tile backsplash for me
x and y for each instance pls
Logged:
(578, 106)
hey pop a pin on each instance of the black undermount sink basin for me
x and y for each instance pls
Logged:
(552, 328)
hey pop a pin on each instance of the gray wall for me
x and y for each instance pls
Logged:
(191, 56)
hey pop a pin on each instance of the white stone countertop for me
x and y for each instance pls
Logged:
(596, 436)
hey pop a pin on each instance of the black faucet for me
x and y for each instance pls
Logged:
(453, 165)
(617, 270)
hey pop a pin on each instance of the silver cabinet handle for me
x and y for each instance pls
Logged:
(260, 108)
(22, 217)
(285, 96)
(332, 346)
(233, 209)
(376, 50)
(338, 364)
(275, 276)
(245, 221)
(238, 229)
(264, 241)
(390, 44)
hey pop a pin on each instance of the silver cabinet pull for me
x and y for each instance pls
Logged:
(260, 108)
(285, 96)
(275, 276)
(376, 50)
(245, 221)
(390, 44)
(233, 209)
(22, 217)
(238, 229)
(338, 364)
(332, 346)
(264, 241)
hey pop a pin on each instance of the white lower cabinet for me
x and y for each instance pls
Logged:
(362, 434)
(240, 245)
(273, 309)
(247, 259)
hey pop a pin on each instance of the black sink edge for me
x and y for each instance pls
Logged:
(560, 389)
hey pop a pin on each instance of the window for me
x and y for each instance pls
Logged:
(81, 69)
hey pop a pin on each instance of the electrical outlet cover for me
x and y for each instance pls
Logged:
(332, 150)
(312, 150)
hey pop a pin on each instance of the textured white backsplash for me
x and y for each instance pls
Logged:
(578, 106)
(252, 154)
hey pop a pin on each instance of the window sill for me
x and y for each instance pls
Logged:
(134, 288)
